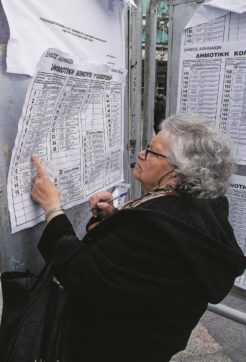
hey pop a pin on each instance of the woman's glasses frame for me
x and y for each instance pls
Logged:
(147, 150)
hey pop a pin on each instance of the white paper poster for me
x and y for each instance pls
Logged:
(237, 200)
(212, 75)
(89, 28)
(73, 120)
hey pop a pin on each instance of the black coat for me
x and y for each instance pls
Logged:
(142, 278)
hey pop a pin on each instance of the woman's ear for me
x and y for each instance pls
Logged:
(174, 175)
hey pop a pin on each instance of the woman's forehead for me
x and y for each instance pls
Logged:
(159, 140)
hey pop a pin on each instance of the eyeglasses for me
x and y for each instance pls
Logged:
(147, 150)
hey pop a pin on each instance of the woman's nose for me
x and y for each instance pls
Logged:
(141, 155)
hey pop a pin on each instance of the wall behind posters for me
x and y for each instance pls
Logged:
(19, 251)
(212, 81)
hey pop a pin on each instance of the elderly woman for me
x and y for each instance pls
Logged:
(142, 277)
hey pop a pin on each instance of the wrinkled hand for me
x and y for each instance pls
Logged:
(97, 202)
(44, 191)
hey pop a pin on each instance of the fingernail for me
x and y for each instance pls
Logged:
(102, 204)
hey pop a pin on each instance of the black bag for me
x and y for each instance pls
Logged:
(16, 286)
(32, 317)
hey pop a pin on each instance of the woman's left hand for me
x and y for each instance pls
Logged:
(44, 192)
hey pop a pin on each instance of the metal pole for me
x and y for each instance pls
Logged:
(135, 80)
(149, 71)
(228, 312)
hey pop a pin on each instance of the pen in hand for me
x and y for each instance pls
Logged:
(116, 197)
(100, 212)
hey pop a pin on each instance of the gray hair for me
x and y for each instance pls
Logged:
(201, 155)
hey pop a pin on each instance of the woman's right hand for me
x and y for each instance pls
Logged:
(44, 191)
(99, 205)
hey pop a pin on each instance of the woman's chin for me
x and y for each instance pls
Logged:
(136, 172)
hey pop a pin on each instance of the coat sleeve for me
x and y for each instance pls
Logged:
(115, 267)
